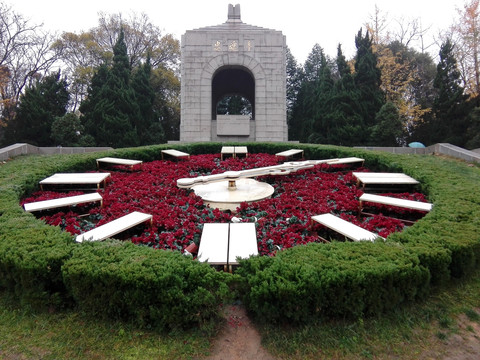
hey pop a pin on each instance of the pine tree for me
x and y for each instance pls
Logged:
(367, 80)
(37, 110)
(473, 131)
(346, 119)
(423, 93)
(149, 129)
(322, 121)
(67, 130)
(450, 106)
(313, 64)
(234, 105)
(300, 112)
(305, 108)
(166, 86)
(389, 128)
(342, 66)
(293, 88)
(112, 110)
(93, 120)
(121, 65)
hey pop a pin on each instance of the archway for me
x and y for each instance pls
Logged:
(235, 82)
(233, 59)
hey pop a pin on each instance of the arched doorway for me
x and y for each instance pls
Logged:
(233, 92)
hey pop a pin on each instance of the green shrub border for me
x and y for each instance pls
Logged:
(43, 266)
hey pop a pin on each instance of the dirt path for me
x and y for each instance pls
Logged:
(239, 340)
(463, 344)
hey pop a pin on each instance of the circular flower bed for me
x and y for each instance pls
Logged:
(283, 221)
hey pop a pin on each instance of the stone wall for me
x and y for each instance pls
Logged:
(14, 150)
(439, 149)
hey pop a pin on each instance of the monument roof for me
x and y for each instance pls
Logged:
(234, 23)
(232, 27)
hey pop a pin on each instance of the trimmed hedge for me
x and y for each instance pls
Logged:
(334, 280)
(44, 266)
(156, 288)
(31, 257)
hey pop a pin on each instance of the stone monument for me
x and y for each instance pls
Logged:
(233, 59)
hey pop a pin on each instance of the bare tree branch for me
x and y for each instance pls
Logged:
(25, 53)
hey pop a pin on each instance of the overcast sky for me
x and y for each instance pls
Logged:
(303, 22)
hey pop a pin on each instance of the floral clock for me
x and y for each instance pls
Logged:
(282, 221)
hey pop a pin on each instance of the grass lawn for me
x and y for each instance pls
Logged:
(420, 331)
(72, 335)
(428, 330)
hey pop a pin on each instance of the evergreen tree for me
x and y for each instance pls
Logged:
(313, 64)
(450, 106)
(234, 105)
(473, 132)
(303, 111)
(121, 65)
(322, 121)
(389, 128)
(423, 93)
(91, 119)
(37, 110)
(346, 119)
(367, 80)
(166, 86)
(342, 66)
(148, 125)
(111, 111)
(293, 87)
(67, 130)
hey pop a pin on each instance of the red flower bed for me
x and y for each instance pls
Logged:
(178, 214)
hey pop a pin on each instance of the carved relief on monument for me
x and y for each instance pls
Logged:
(217, 45)
(248, 46)
(232, 45)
